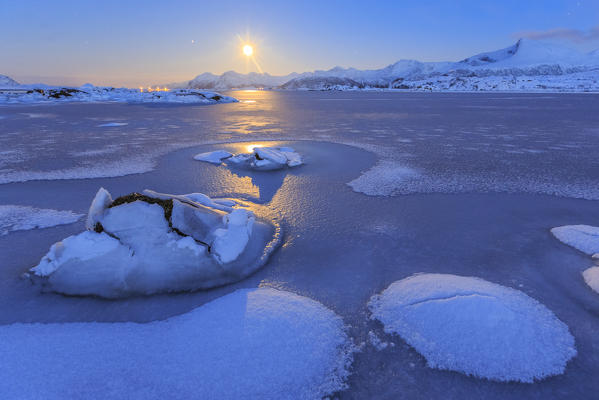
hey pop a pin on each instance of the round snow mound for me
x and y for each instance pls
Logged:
(250, 344)
(475, 327)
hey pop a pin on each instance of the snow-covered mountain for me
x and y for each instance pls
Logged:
(6, 82)
(525, 65)
(234, 80)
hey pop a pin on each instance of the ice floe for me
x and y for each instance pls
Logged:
(582, 237)
(476, 327)
(253, 344)
(18, 218)
(261, 158)
(154, 242)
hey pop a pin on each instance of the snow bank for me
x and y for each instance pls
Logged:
(252, 344)
(582, 237)
(475, 327)
(261, 159)
(18, 218)
(90, 93)
(153, 242)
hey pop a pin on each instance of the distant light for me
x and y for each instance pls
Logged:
(248, 50)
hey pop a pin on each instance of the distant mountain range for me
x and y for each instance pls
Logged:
(526, 65)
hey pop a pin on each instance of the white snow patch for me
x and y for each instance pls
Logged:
(475, 327)
(18, 218)
(582, 237)
(253, 343)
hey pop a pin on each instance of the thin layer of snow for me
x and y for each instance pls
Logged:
(582, 237)
(261, 158)
(18, 218)
(252, 343)
(140, 251)
(591, 277)
(214, 157)
(475, 327)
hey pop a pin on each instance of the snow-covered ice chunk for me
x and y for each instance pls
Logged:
(73, 251)
(214, 157)
(140, 244)
(582, 237)
(476, 327)
(231, 240)
(99, 204)
(262, 158)
(18, 218)
(591, 277)
(253, 344)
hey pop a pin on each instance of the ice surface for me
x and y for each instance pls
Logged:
(214, 157)
(591, 277)
(582, 237)
(252, 343)
(261, 158)
(143, 246)
(475, 327)
(17, 218)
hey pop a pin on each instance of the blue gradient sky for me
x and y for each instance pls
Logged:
(139, 42)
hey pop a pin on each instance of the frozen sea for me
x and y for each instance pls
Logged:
(393, 184)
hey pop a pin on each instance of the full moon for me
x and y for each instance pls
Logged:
(248, 50)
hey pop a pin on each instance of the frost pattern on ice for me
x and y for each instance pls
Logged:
(582, 237)
(383, 179)
(253, 344)
(18, 218)
(475, 327)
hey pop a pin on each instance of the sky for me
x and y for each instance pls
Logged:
(132, 43)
